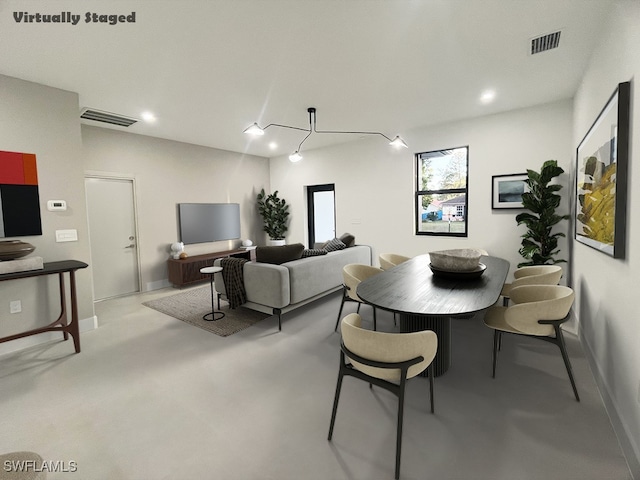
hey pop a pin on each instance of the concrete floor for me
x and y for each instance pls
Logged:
(151, 397)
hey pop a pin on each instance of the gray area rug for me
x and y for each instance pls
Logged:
(191, 305)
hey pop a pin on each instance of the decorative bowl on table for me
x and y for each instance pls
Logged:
(12, 249)
(460, 261)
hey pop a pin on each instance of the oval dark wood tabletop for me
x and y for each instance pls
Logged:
(412, 288)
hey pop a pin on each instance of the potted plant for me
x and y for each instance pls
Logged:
(539, 245)
(274, 212)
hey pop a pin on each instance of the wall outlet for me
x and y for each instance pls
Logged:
(15, 306)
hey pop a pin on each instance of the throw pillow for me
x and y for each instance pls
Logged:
(280, 254)
(348, 239)
(313, 252)
(333, 245)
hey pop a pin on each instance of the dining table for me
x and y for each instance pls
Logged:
(429, 300)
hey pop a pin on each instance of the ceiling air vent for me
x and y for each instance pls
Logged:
(545, 42)
(106, 117)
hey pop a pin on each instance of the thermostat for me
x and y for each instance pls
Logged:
(56, 205)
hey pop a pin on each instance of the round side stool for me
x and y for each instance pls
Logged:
(213, 315)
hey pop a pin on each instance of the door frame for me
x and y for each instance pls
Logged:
(311, 189)
(127, 177)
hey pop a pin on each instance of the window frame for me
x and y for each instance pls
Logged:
(418, 193)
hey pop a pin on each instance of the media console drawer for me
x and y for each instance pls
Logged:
(187, 270)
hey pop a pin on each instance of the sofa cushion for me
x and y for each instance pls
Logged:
(334, 245)
(348, 239)
(313, 252)
(280, 254)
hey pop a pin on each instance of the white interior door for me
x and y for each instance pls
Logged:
(112, 232)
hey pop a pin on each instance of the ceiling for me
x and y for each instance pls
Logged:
(208, 69)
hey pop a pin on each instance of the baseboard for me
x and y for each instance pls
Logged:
(626, 440)
(157, 285)
(85, 325)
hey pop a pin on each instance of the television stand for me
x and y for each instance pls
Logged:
(186, 271)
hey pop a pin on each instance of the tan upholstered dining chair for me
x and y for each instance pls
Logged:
(533, 275)
(352, 275)
(537, 311)
(386, 360)
(389, 260)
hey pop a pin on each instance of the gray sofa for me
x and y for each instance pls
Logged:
(278, 289)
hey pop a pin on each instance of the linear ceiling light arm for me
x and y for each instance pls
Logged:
(255, 129)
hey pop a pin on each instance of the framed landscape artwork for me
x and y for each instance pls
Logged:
(601, 178)
(507, 190)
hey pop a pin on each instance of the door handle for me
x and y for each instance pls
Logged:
(133, 245)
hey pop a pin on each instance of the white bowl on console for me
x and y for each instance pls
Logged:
(456, 260)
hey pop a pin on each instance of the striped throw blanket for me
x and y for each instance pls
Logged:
(233, 277)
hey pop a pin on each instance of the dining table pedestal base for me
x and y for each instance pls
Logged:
(441, 325)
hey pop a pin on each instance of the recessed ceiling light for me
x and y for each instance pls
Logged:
(148, 117)
(488, 96)
(273, 145)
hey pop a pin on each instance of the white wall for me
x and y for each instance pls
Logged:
(167, 173)
(43, 120)
(606, 288)
(375, 184)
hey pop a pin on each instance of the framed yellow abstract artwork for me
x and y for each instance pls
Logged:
(601, 178)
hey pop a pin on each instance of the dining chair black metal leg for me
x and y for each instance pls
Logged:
(344, 297)
(496, 337)
(358, 309)
(399, 431)
(337, 397)
(565, 357)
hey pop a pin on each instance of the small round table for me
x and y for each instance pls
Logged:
(212, 315)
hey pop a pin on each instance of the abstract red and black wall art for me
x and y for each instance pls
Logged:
(19, 199)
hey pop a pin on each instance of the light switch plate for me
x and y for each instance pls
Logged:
(67, 235)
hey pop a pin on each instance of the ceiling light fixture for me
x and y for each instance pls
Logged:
(148, 117)
(255, 129)
(488, 96)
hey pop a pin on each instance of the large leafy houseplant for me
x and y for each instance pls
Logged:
(274, 212)
(539, 245)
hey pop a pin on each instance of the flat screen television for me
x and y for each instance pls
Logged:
(208, 222)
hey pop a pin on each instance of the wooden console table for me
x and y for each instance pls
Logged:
(62, 324)
(187, 270)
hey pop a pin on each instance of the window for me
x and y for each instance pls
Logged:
(441, 192)
(321, 213)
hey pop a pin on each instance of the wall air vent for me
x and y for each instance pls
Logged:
(545, 42)
(106, 117)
